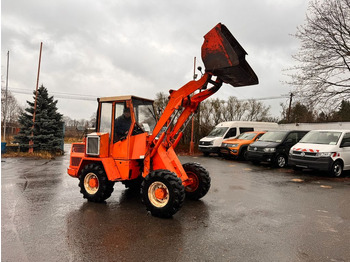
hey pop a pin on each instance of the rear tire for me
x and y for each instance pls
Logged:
(201, 181)
(163, 193)
(94, 184)
(337, 169)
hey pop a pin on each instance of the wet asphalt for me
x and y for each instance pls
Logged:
(251, 213)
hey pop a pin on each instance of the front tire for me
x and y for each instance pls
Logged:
(337, 169)
(281, 161)
(163, 193)
(243, 154)
(200, 181)
(94, 184)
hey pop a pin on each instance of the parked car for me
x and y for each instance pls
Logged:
(327, 150)
(274, 147)
(229, 130)
(238, 147)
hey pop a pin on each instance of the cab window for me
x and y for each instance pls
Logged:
(258, 136)
(346, 139)
(292, 138)
(231, 132)
(106, 118)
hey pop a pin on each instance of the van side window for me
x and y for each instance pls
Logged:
(346, 139)
(231, 132)
(245, 129)
(292, 138)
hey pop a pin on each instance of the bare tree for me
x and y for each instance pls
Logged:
(160, 102)
(256, 111)
(13, 109)
(323, 75)
(234, 109)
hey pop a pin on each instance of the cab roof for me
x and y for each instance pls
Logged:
(121, 98)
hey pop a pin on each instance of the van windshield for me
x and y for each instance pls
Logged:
(217, 132)
(321, 137)
(246, 136)
(274, 136)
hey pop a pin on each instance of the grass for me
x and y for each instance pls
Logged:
(69, 140)
(40, 154)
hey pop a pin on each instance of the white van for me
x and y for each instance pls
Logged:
(229, 130)
(327, 150)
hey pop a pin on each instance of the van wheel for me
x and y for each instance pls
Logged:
(281, 161)
(337, 169)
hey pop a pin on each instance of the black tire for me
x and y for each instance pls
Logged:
(201, 180)
(206, 153)
(163, 193)
(243, 153)
(94, 184)
(336, 169)
(281, 161)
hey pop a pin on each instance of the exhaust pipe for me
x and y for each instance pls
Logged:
(224, 57)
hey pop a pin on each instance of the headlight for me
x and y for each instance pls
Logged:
(269, 149)
(231, 145)
(211, 143)
(224, 145)
(323, 154)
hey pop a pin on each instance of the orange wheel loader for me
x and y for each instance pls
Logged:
(131, 145)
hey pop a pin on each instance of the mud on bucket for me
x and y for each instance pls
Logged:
(224, 57)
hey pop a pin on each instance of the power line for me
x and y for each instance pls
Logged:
(266, 98)
(94, 98)
(56, 94)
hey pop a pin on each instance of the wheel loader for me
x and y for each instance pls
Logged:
(131, 145)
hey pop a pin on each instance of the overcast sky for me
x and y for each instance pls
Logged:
(114, 47)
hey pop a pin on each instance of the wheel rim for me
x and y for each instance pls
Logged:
(194, 182)
(281, 161)
(91, 183)
(158, 194)
(337, 169)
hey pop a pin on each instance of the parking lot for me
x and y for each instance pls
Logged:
(251, 213)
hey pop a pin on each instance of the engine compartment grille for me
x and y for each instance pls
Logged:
(93, 145)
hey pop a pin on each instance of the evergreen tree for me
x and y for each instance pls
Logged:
(48, 127)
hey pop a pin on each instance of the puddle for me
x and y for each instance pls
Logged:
(297, 180)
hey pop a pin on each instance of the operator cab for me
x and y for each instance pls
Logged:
(122, 127)
(125, 115)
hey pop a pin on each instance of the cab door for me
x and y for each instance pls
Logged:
(345, 150)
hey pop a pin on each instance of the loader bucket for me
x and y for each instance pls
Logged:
(224, 57)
